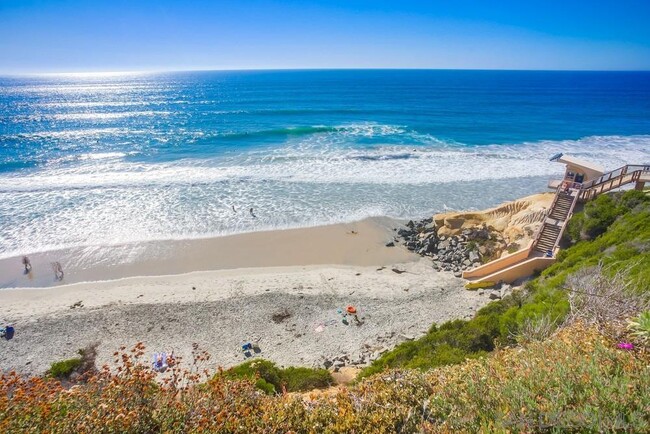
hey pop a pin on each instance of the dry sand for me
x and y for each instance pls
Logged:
(222, 309)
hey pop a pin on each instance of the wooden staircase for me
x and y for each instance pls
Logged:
(559, 213)
(541, 252)
(565, 200)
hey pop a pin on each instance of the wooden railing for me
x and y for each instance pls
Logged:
(538, 232)
(621, 171)
(611, 180)
(560, 190)
(566, 220)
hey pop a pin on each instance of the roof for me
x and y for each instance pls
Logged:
(567, 159)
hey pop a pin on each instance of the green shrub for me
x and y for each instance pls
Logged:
(271, 378)
(264, 386)
(299, 379)
(64, 368)
(633, 198)
(640, 327)
(574, 227)
(599, 214)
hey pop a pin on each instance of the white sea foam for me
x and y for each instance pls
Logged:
(318, 164)
(106, 198)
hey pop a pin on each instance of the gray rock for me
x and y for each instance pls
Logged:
(474, 257)
(494, 296)
(458, 274)
(404, 337)
(391, 244)
(431, 227)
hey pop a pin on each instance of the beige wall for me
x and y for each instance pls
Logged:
(497, 264)
(523, 269)
(589, 174)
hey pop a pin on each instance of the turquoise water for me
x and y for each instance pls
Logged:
(102, 159)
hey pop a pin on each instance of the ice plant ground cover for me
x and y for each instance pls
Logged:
(576, 380)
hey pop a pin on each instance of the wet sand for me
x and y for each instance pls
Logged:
(358, 243)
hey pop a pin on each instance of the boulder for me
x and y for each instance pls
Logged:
(430, 228)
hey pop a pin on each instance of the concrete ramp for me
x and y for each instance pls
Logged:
(519, 270)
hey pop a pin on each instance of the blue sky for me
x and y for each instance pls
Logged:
(117, 35)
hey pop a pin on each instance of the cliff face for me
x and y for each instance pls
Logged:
(515, 221)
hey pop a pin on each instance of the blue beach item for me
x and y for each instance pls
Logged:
(7, 332)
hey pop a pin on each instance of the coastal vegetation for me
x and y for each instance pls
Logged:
(566, 352)
(76, 366)
(618, 237)
(64, 368)
(577, 381)
(272, 379)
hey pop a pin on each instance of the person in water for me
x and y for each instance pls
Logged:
(58, 270)
(252, 213)
(27, 264)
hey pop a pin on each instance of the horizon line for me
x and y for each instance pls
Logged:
(162, 71)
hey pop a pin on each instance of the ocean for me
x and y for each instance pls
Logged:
(102, 159)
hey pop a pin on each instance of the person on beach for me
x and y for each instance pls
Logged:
(58, 270)
(27, 264)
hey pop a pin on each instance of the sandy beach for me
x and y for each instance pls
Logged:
(305, 274)
(357, 243)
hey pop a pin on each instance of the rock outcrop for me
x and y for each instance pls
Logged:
(461, 241)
